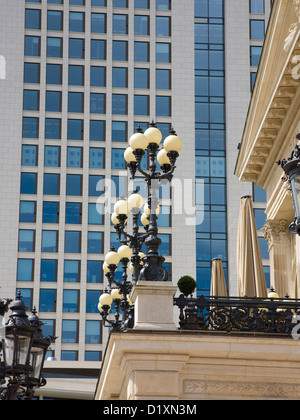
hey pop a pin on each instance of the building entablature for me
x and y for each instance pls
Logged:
(274, 113)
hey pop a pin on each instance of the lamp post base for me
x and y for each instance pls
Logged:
(153, 306)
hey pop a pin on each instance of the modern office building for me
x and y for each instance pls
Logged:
(77, 78)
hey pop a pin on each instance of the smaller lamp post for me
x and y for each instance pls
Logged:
(23, 349)
(291, 168)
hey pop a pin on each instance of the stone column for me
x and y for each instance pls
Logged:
(277, 235)
(154, 305)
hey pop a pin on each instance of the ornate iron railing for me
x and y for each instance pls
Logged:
(233, 314)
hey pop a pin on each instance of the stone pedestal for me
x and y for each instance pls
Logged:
(154, 306)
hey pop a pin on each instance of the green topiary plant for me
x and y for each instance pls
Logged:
(186, 285)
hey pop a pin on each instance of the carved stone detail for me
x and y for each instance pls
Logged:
(243, 389)
(273, 230)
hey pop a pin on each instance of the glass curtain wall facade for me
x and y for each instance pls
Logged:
(88, 84)
(210, 139)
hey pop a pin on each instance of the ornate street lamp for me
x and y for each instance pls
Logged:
(147, 267)
(292, 169)
(23, 349)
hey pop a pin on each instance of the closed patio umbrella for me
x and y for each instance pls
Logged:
(218, 283)
(251, 277)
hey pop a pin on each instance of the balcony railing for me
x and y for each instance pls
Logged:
(234, 314)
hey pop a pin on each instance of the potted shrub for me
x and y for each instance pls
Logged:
(187, 285)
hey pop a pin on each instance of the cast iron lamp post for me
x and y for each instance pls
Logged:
(292, 169)
(22, 353)
(147, 267)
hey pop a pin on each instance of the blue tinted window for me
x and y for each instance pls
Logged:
(92, 300)
(97, 103)
(74, 157)
(48, 270)
(163, 52)
(257, 6)
(75, 102)
(76, 22)
(120, 51)
(99, 3)
(165, 247)
(30, 128)
(94, 272)
(120, 24)
(119, 131)
(48, 327)
(141, 51)
(69, 355)
(54, 74)
(163, 79)
(32, 19)
(31, 99)
(163, 106)
(49, 241)
(255, 55)
(141, 105)
(259, 195)
(54, 47)
(141, 25)
(47, 300)
(74, 185)
(32, 46)
(52, 156)
(27, 211)
(26, 241)
(75, 129)
(72, 242)
(141, 78)
(53, 128)
(96, 185)
(25, 270)
(31, 73)
(120, 3)
(73, 213)
(260, 218)
(54, 20)
(119, 104)
(29, 155)
(257, 29)
(28, 183)
(53, 101)
(97, 130)
(98, 76)
(163, 4)
(264, 249)
(93, 332)
(163, 26)
(95, 214)
(70, 301)
(98, 49)
(69, 331)
(51, 184)
(50, 212)
(96, 158)
(76, 75)
(117, 159)
(118, 186)
(92, 356)
(141, 4)
(95, 242)
(98, 23)
(119, 76)
(71, 271)
(76, 48)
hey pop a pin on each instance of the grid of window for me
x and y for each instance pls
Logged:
(210, 140)
(66, 103)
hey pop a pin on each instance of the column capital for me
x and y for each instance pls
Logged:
(274, 230)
